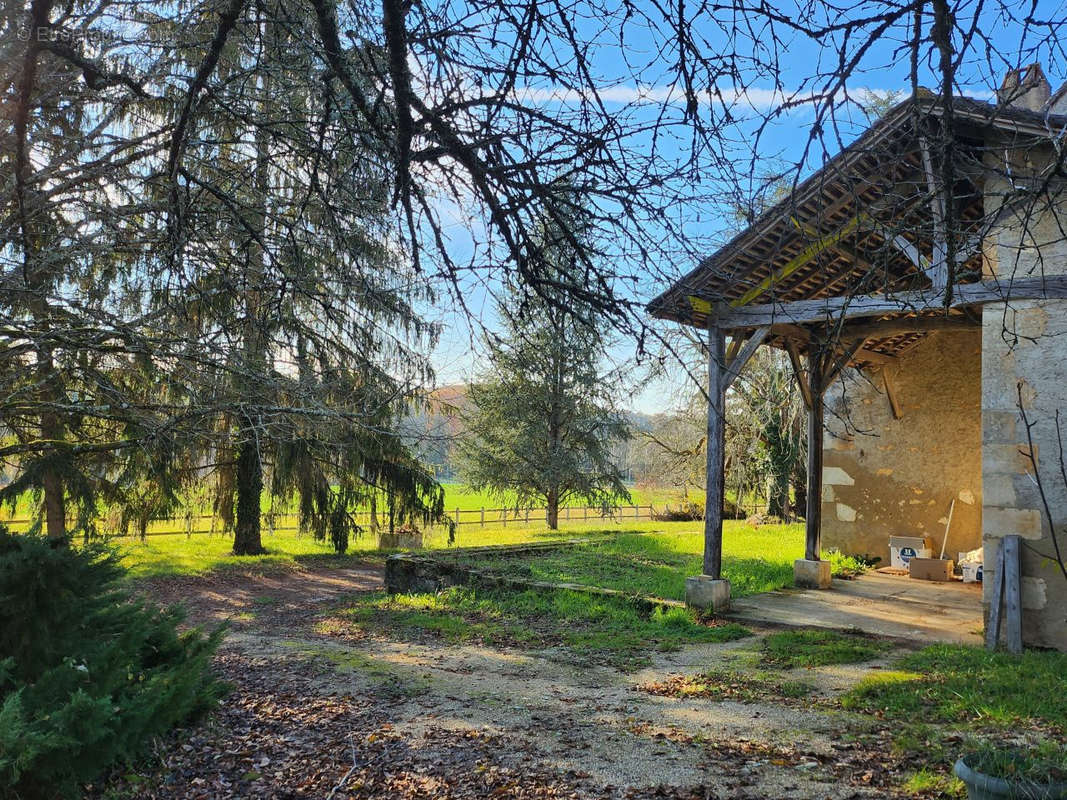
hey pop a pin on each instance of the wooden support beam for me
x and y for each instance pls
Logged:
(891, 395)
(886, 328)
(798, 371)
(813, 516)
(938, 270)
(832, 309)
(836, 358)
(716, 459)
(735, 366)
(735, 344)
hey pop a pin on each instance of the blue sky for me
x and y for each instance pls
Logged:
(883, 67)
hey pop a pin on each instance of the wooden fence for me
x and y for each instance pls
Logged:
(197, 524)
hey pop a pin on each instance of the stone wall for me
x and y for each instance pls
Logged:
(1024, 354)
(884, 476)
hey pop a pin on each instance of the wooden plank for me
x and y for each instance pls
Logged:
(891, 395)
(1013, 611)
(837, 359)
(839, 246)
(798, 371)
(814, 249)
(884, 329)
(716, 458)
(938, 271)
(735, 345)
(832, 309)
(731, 372)
(813, 515)
(992, 628)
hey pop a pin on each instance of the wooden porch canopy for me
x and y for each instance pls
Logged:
(852, 268)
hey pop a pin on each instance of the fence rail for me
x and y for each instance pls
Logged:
(193, 524)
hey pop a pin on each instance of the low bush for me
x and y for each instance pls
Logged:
(88, 675)
(686, 511)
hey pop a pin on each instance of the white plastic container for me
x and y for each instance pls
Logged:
(902, 549)
(972, 571)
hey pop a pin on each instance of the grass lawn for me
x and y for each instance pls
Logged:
(819, 648)
(178, 554)
(754, 560)
(953, 683)
(591, 629)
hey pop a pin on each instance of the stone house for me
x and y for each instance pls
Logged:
(918, 282)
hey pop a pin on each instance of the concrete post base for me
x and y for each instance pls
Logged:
(707, 593)
(811, 574)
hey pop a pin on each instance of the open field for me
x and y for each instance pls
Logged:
(757, 559)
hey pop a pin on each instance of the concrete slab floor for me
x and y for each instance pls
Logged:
(885, 605)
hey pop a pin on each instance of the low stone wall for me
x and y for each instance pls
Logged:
(407, 573)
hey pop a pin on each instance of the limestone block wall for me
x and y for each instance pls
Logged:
(883, 476)
(1024, 355)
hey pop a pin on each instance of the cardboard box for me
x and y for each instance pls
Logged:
(930, 569)
(972, 571)
(903, 549)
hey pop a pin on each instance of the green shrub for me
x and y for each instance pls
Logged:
(88, 675)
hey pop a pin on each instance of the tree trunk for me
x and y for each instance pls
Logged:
(552, 514)
(55, 509)
(800, 489)
(778, 495)
(247, 540)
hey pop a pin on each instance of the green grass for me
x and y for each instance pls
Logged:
(588, 628)
(818, 648)
(928, 783)
(1045, 763)
(755, 560)
(958, 684)
(178, 554)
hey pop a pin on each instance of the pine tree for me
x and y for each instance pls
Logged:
(304, 346)
(543, 421)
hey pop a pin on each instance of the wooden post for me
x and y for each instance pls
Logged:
(715, 454)
(1013, 610)
(992, 627)
(813, 517)
(483, 516)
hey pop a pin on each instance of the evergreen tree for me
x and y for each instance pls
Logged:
(303, 344)
(543, 422)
